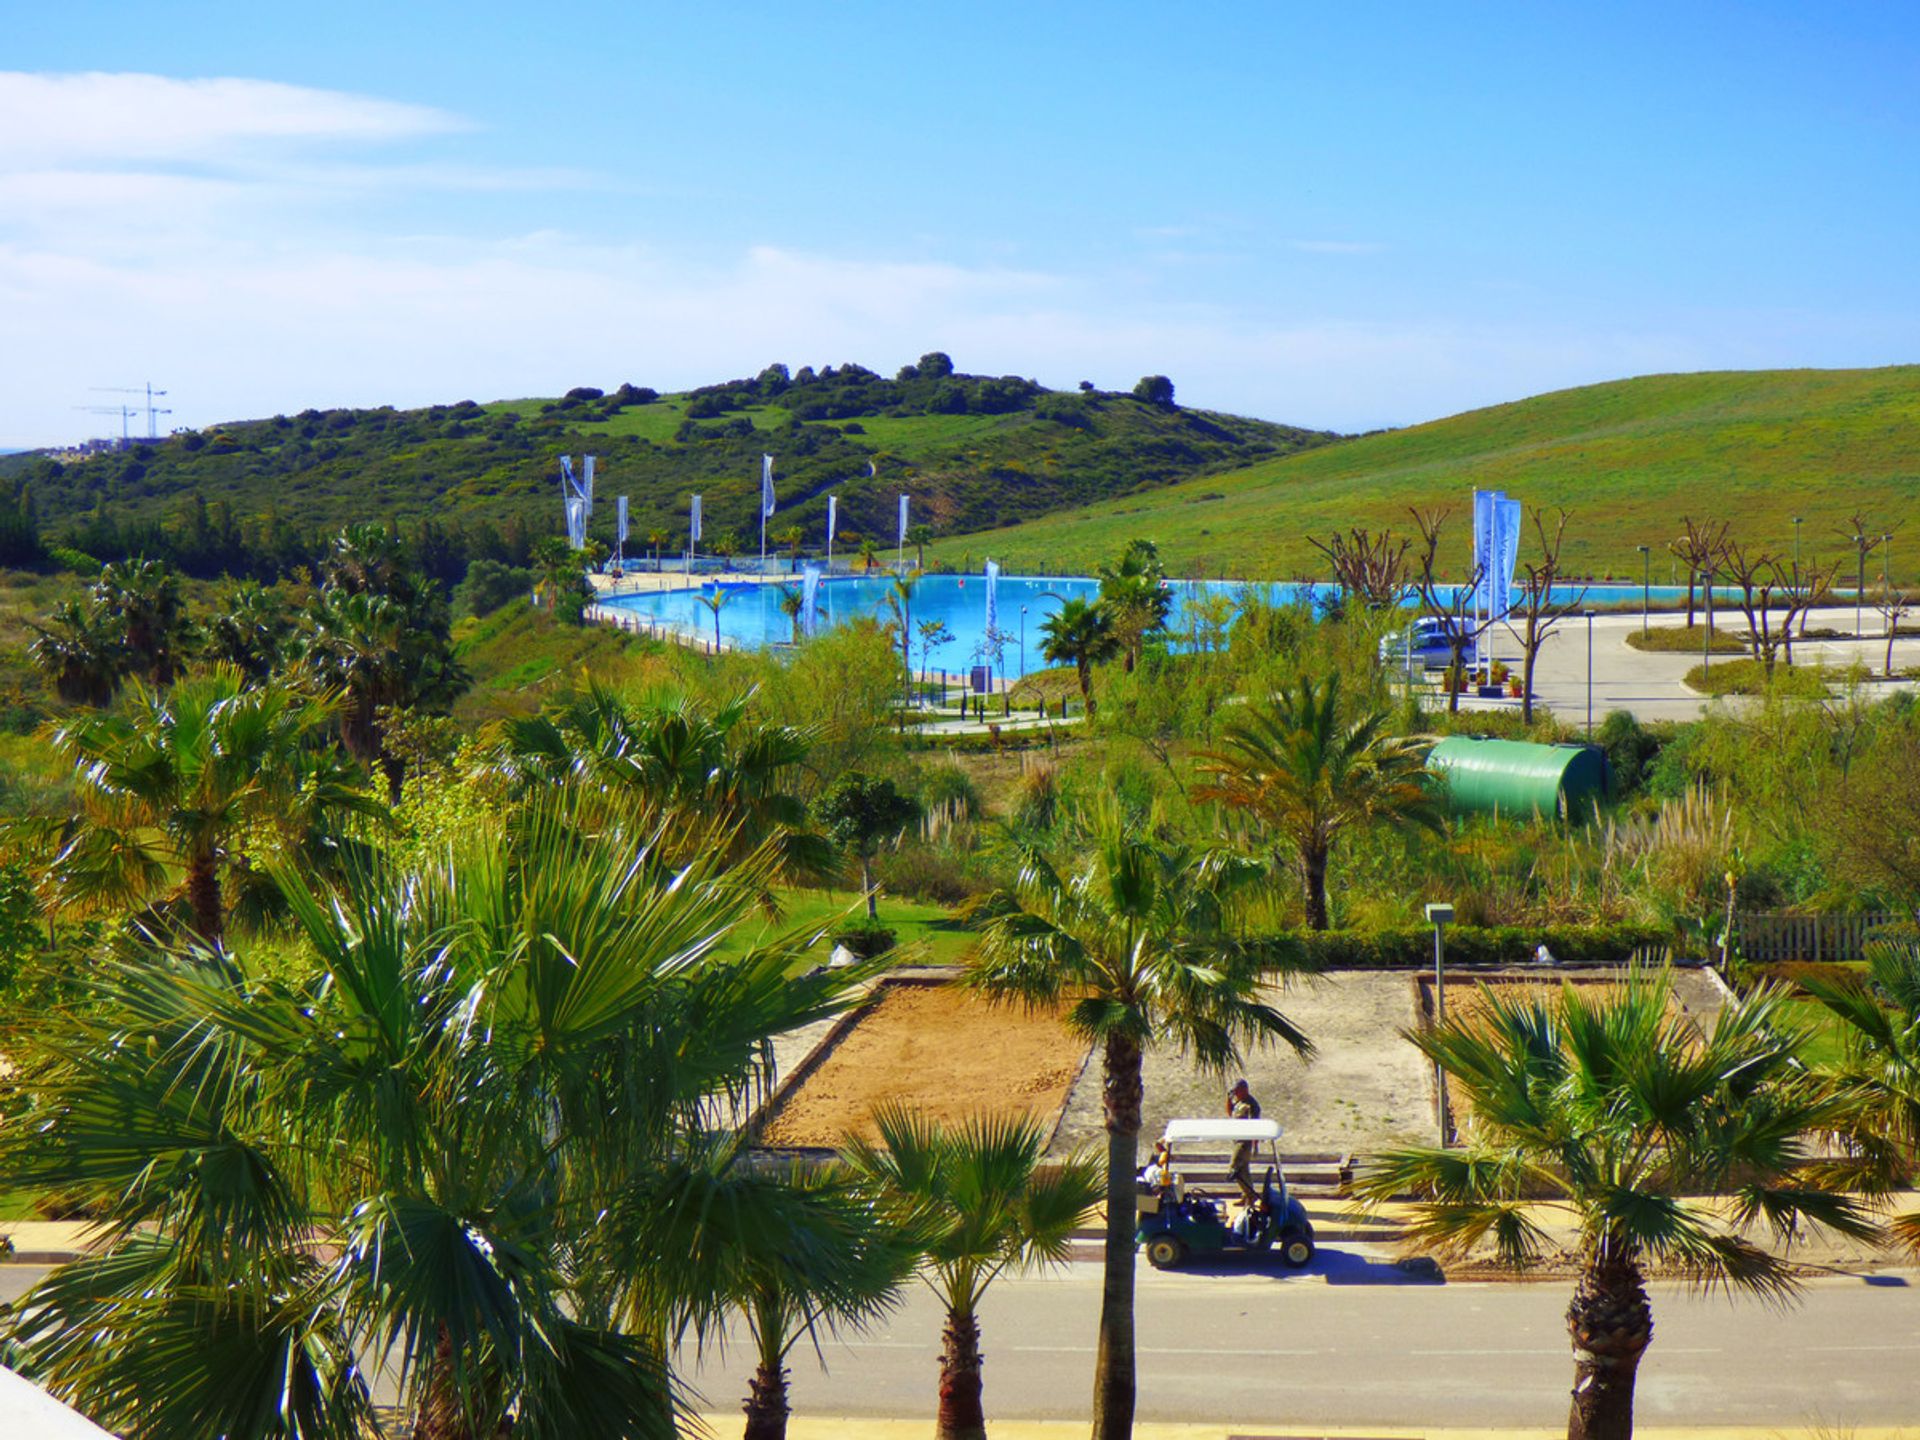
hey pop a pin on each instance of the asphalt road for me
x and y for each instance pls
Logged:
(1351, 1343)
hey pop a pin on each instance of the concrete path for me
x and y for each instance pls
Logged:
(1652, 685)
(1351, 1345)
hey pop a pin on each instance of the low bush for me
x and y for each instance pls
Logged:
(1749, 677)
(865, 938)
(950, 787)
(1412, 948)
(1793, 972)
(1686, 640)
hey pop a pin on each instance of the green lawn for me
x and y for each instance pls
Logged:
(1627, 458)
(1825, 1046)
(942, 940)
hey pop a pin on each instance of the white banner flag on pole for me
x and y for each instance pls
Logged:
(693, 523)
(586, 486)
(620, 522)
(766, 486)
(903, 522)
(833, 520)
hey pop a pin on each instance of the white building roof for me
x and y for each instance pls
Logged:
(28, 1413)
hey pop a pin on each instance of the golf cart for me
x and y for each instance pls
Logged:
(1181, 1220)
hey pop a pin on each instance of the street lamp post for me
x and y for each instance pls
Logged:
(1440, 916)
(1706, 640)
(1796, 540)
(1646, 586)
(1860, 582)
(1589, 674)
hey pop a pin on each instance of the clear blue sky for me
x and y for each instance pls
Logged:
(1341, 215)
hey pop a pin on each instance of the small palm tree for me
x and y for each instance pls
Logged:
(869, 555)
(715, 600)
(793, 537)
(983, 1204)
(1138, 944)
(900, 606)
(81, 653)
(1878, 1075)
(919, 536)
(1134, 594)
(1661, 1145)
(1080, 634)
(1292, 764)
(792, 605)
(248, 630)
(167, 785)
(657, 538)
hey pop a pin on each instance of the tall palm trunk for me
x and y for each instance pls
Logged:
(866, 886)
(1611, 1324)
(1085, 672)
(767, 1404)
(203, 897)
(439, 1416)
(1113, 1367)
(1313, 882)
(960, 1416)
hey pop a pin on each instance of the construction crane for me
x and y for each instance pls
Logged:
(152, 410)
(125, 412)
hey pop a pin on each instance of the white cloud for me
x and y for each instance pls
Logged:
(116, 120)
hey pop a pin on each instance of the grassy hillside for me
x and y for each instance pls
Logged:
(1628, 459)
(974, 451)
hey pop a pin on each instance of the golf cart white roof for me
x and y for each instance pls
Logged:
(1222, 1130)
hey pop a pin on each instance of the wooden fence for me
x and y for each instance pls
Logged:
(1769, 937)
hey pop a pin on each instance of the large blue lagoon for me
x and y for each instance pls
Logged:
(751, 617)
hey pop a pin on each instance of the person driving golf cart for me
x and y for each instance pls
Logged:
(1198, 1223)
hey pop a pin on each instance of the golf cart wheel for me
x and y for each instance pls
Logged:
(1296, 1252)
(1165, 1253)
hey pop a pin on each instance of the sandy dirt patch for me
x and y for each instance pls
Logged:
(1365, 1089)
(949, 1054)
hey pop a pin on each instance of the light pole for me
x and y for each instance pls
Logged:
(1860, 582)
(1589, 674)
(1646, 586)
(1886, 561)
(1796, 540)
(1440, 916)
(1023, 642)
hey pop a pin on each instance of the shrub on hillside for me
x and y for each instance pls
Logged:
(865, 938)
(489, 585)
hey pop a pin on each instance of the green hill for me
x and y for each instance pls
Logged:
(974, 451)
(1628, 459)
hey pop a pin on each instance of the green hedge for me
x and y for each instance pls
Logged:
(1466, 945)
(1792, 972)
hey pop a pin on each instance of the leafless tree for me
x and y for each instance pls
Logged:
(1453, 603)
(1863, 537)
(1702, 546)
(1369, 566)
(1893, 606)
(1538, 611)
(1803, 587)
(1767, 584)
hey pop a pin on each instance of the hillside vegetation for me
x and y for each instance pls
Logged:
(974, 451)
(1628, 458)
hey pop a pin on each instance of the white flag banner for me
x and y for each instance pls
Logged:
(693, 521)
(766, 486)
(576, 522)
(993, 598)
(903, 522)
(810, 600)
(833, 518)
(586, 486)
(1506, 554)
(620, 523)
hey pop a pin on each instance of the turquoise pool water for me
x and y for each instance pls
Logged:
(752, 619)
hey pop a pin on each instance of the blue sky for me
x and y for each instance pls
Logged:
(1349, 216)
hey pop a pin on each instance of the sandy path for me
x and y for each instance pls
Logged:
(939, 1049)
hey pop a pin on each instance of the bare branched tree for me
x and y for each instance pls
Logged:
(1893, 605)
(1370, 567)
(1538, 611)
(1768, 586)
(1863, 537)
(1453, 603)
(1803, 587)
(1701, 547)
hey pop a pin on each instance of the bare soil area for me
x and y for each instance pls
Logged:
(1365, 1089)
(947, 1053)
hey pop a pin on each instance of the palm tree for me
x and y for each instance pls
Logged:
(472, 1106)
(900, 606)
(81, 653)
(657, 538)
(1080, 634)
(869, 556)
(1291, 763)
(793, 537)
(795, 1252)
(1138, 945)
(983, 1204)
(1133, 592)
(1661, 1145)
(248, 630)
(793, 604)
(919, 536)
(704, 770)
(1878, 1074)
(169, 785)
(144, 598)
(715, 600)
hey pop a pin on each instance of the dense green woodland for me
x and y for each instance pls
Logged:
(256, 497)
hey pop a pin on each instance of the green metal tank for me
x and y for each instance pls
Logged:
(1516, 777)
